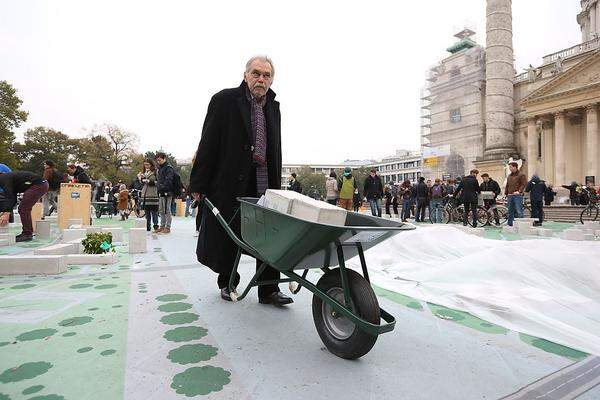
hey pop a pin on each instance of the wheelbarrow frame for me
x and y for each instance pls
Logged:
(293, 277)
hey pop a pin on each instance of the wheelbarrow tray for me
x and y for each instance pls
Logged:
(289, 243)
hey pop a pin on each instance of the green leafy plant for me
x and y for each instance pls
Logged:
(98, 243)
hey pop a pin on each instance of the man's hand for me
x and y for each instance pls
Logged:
(4, 218)
(196, 196)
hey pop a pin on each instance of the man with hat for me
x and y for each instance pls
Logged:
(347, 185)
(374, 192)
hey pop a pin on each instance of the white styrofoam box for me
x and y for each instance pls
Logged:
(42, 229)
(117, 233)
(281, 200)
(137, 240)
(487, 195)
(573, 234)
(10, 237)
(57, 249)
(91, 259)
(93, 229)
(74, 221)
(140, 223)
(72, 234)
(545, 232)
(318, 211)
(26, 265)
(509, 229)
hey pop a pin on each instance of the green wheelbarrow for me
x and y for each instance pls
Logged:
(345, 309)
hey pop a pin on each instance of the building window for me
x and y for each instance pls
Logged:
(455, 115)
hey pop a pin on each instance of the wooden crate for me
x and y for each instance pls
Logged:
(74, 202)
(180, 207)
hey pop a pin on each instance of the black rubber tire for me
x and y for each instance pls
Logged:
(364, 303)
(483, 218)
(590, 213)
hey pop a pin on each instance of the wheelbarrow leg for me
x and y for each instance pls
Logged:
(363, 262)
(344, 276)
(231, 286)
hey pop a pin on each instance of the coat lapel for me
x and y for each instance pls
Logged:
(245, 111)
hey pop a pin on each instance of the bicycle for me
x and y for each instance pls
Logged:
(135, 203)
(450, 212)
(592, 210)
(497, 213)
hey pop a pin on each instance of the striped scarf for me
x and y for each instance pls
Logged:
(259, 133)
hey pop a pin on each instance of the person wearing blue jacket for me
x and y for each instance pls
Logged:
(536, 189)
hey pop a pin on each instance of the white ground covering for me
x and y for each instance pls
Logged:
(546, 288)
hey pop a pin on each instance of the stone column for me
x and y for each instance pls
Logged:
(499, 138)
(591, 144)
(560, 132)
(532, 147)
(593, 29)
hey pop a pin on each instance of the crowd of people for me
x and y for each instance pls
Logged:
(416, 200)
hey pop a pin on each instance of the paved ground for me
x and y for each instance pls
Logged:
(153, 327)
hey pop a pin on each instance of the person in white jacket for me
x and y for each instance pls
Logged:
(331, 186)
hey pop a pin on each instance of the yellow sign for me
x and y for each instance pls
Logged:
(430, 162)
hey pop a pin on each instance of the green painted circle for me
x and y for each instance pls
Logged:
(105, 336)
(24, 286)
(192, 353)
(2, 344)
(115, 277)
(2, 395)
(81, 286)
(143, 291)
(179, 318)
(120, 292)
(75, 321)
(185, 334)
(97, 279)
(117, 306)
(69, 334)
(36, 334)
(48, 397)
(25, 371)
(123, 268)
(85, 349)
(197, 381)
(108, 352)
(173, 307)
(109, 286)
(93, 309)
(32, 389)
(171, 297)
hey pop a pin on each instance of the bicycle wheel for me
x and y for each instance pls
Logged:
(483, 218)
(498, 215)
(458, 215)
(439, 211)
(590, 213)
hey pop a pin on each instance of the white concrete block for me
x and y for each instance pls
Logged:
(91, 259)
(545, 232)
(318, 211)
(573, 234)
(93, 229)
(140, 223)
(77, 226)
(78, 246)
(74, 221)
(117, 233)
(137, 240)
(588, 236)
(27, 265)
(57, 249)
(10, 237)
(42, 229)
(51, 218)
(4, 242)
(526, 219)
(527, 230)
(72, 234)
(4, 229)
(595, 225)
(598, 233)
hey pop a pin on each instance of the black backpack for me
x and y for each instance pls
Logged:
(177, 185)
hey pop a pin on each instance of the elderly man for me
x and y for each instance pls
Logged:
(239, 155)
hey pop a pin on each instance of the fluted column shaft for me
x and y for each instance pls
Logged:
(591, 133)
(560, 167)
(532, 147)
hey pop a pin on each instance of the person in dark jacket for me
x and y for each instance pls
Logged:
(294, 184)
(490, 185)
(573, 194)
(405, 194)
(239, 155)
(468, 190)
(422, 196)
(166, 175)
(33, 187)
(373, 191)
(54, 179)
(536, 189)
(549, 195)
(78, 174)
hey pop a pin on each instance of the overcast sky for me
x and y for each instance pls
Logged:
(348, 73)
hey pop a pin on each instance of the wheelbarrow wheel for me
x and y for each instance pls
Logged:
(341, 336)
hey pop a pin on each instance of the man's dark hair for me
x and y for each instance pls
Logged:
(49, 163)
(514, 164)
(293, 175)
(485, 175)
(422, 179)
(474, 171)
(160, 154)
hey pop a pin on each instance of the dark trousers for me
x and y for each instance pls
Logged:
(30, 197)
(395, 205)
(537, 210)
(421, 207)
(151, 217)
(470, 207)
(198, 217)
(406, 203)
(269, 273)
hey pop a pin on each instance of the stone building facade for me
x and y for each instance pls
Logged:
(552, 126)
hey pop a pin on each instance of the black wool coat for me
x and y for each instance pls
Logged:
(469, 189)
(223, 168)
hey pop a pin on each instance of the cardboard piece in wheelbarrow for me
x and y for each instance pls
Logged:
(304, 207)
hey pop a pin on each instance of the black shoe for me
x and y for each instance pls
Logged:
(276, 298)
(23, 238)
(226, 294)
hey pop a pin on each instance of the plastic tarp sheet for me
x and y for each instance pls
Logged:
(549, 288)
